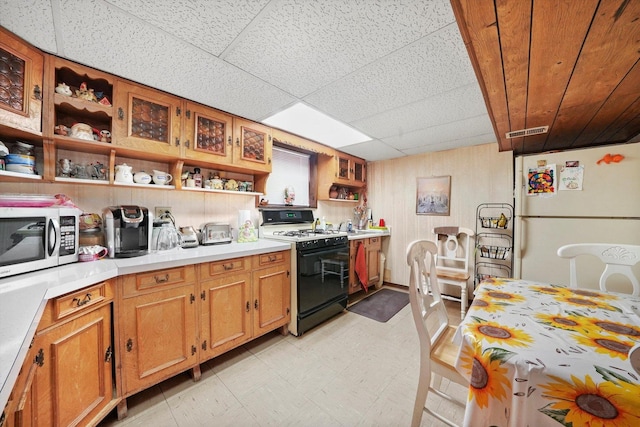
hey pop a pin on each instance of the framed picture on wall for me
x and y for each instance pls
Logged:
(433, 195)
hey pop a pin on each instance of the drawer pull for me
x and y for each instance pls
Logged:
(273, 258)
(227, 266)
(161, 279)
(80, 302)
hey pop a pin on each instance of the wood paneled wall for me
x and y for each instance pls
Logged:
(479, 174)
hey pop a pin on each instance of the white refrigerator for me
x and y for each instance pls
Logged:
(575, 196)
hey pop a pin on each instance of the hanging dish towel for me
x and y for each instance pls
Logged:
(361, 267)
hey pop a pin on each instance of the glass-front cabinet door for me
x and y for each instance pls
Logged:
(208, 135)
(359, 171)
(21, 75)
(147, 120)
(252, 145)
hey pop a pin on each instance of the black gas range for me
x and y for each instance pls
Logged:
(319, 264)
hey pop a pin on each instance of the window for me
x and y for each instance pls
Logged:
(290, 171)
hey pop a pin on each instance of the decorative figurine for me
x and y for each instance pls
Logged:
(63, 89)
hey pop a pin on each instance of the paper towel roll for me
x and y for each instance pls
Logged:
(243, 216)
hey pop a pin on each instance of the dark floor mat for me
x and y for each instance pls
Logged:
(382, 305)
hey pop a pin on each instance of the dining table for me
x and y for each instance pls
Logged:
(540, 354)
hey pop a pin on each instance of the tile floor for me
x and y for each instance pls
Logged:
(349, 371)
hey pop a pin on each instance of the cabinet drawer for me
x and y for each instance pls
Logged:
(272, 258)
(75, 302)
(227, 266)
(375, 243)
(152, 280)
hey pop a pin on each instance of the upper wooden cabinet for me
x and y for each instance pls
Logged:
(147, 120)
(252, 146)
(21, 77)
(208, 135)
(340, 170)
(213, 137)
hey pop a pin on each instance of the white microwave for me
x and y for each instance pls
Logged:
(36, 238)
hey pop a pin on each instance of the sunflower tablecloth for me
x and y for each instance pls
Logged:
(538, 354)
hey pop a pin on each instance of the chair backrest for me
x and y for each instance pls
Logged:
(618, 259)
(427, 306)
(454, 247)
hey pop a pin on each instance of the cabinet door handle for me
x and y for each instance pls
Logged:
(129, 345)
(108, 354)
(39, 358)
(193, 349)
(120, 113)
(37, 92)
(80, 302)
(255, 304)
(188, 114)
(177, 141)
(248, 306)
(161, 279)
(237, 142)
(229, 141)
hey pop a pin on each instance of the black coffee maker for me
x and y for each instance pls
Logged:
(127, 230)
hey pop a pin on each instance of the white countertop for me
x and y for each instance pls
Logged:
(23, 297)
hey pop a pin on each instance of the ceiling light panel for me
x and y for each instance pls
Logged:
(310, 123)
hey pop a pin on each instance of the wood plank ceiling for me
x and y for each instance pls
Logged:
(570, 65)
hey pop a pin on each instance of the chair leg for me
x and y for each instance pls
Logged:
(463, 300)
(421, 394)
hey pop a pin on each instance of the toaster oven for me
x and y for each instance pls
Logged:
(214, 233)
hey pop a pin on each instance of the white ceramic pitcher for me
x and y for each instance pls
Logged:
(123, 173)
(161, 178)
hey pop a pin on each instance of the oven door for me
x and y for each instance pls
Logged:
(323, 278)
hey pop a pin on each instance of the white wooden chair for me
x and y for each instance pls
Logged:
(618, 259)
(452, 263)
(437, 351)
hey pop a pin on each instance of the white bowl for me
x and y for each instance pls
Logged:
(20, 168)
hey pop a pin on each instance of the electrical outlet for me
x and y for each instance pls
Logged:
(160, 210)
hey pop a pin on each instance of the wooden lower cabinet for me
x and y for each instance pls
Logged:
(271, 293)
(157, 319)
(372, 248)
(243, 298)
(67, 378)
(165, 322)
(226, 310)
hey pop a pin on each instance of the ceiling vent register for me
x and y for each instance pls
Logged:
(527, 132)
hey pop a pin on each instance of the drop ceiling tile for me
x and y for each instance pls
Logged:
(159, 60)
(33, 21)
(372, 150)
(457, 104)
(300, 46)
(211, 26)
(432, 65)
(439, 134)
(450, 145)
